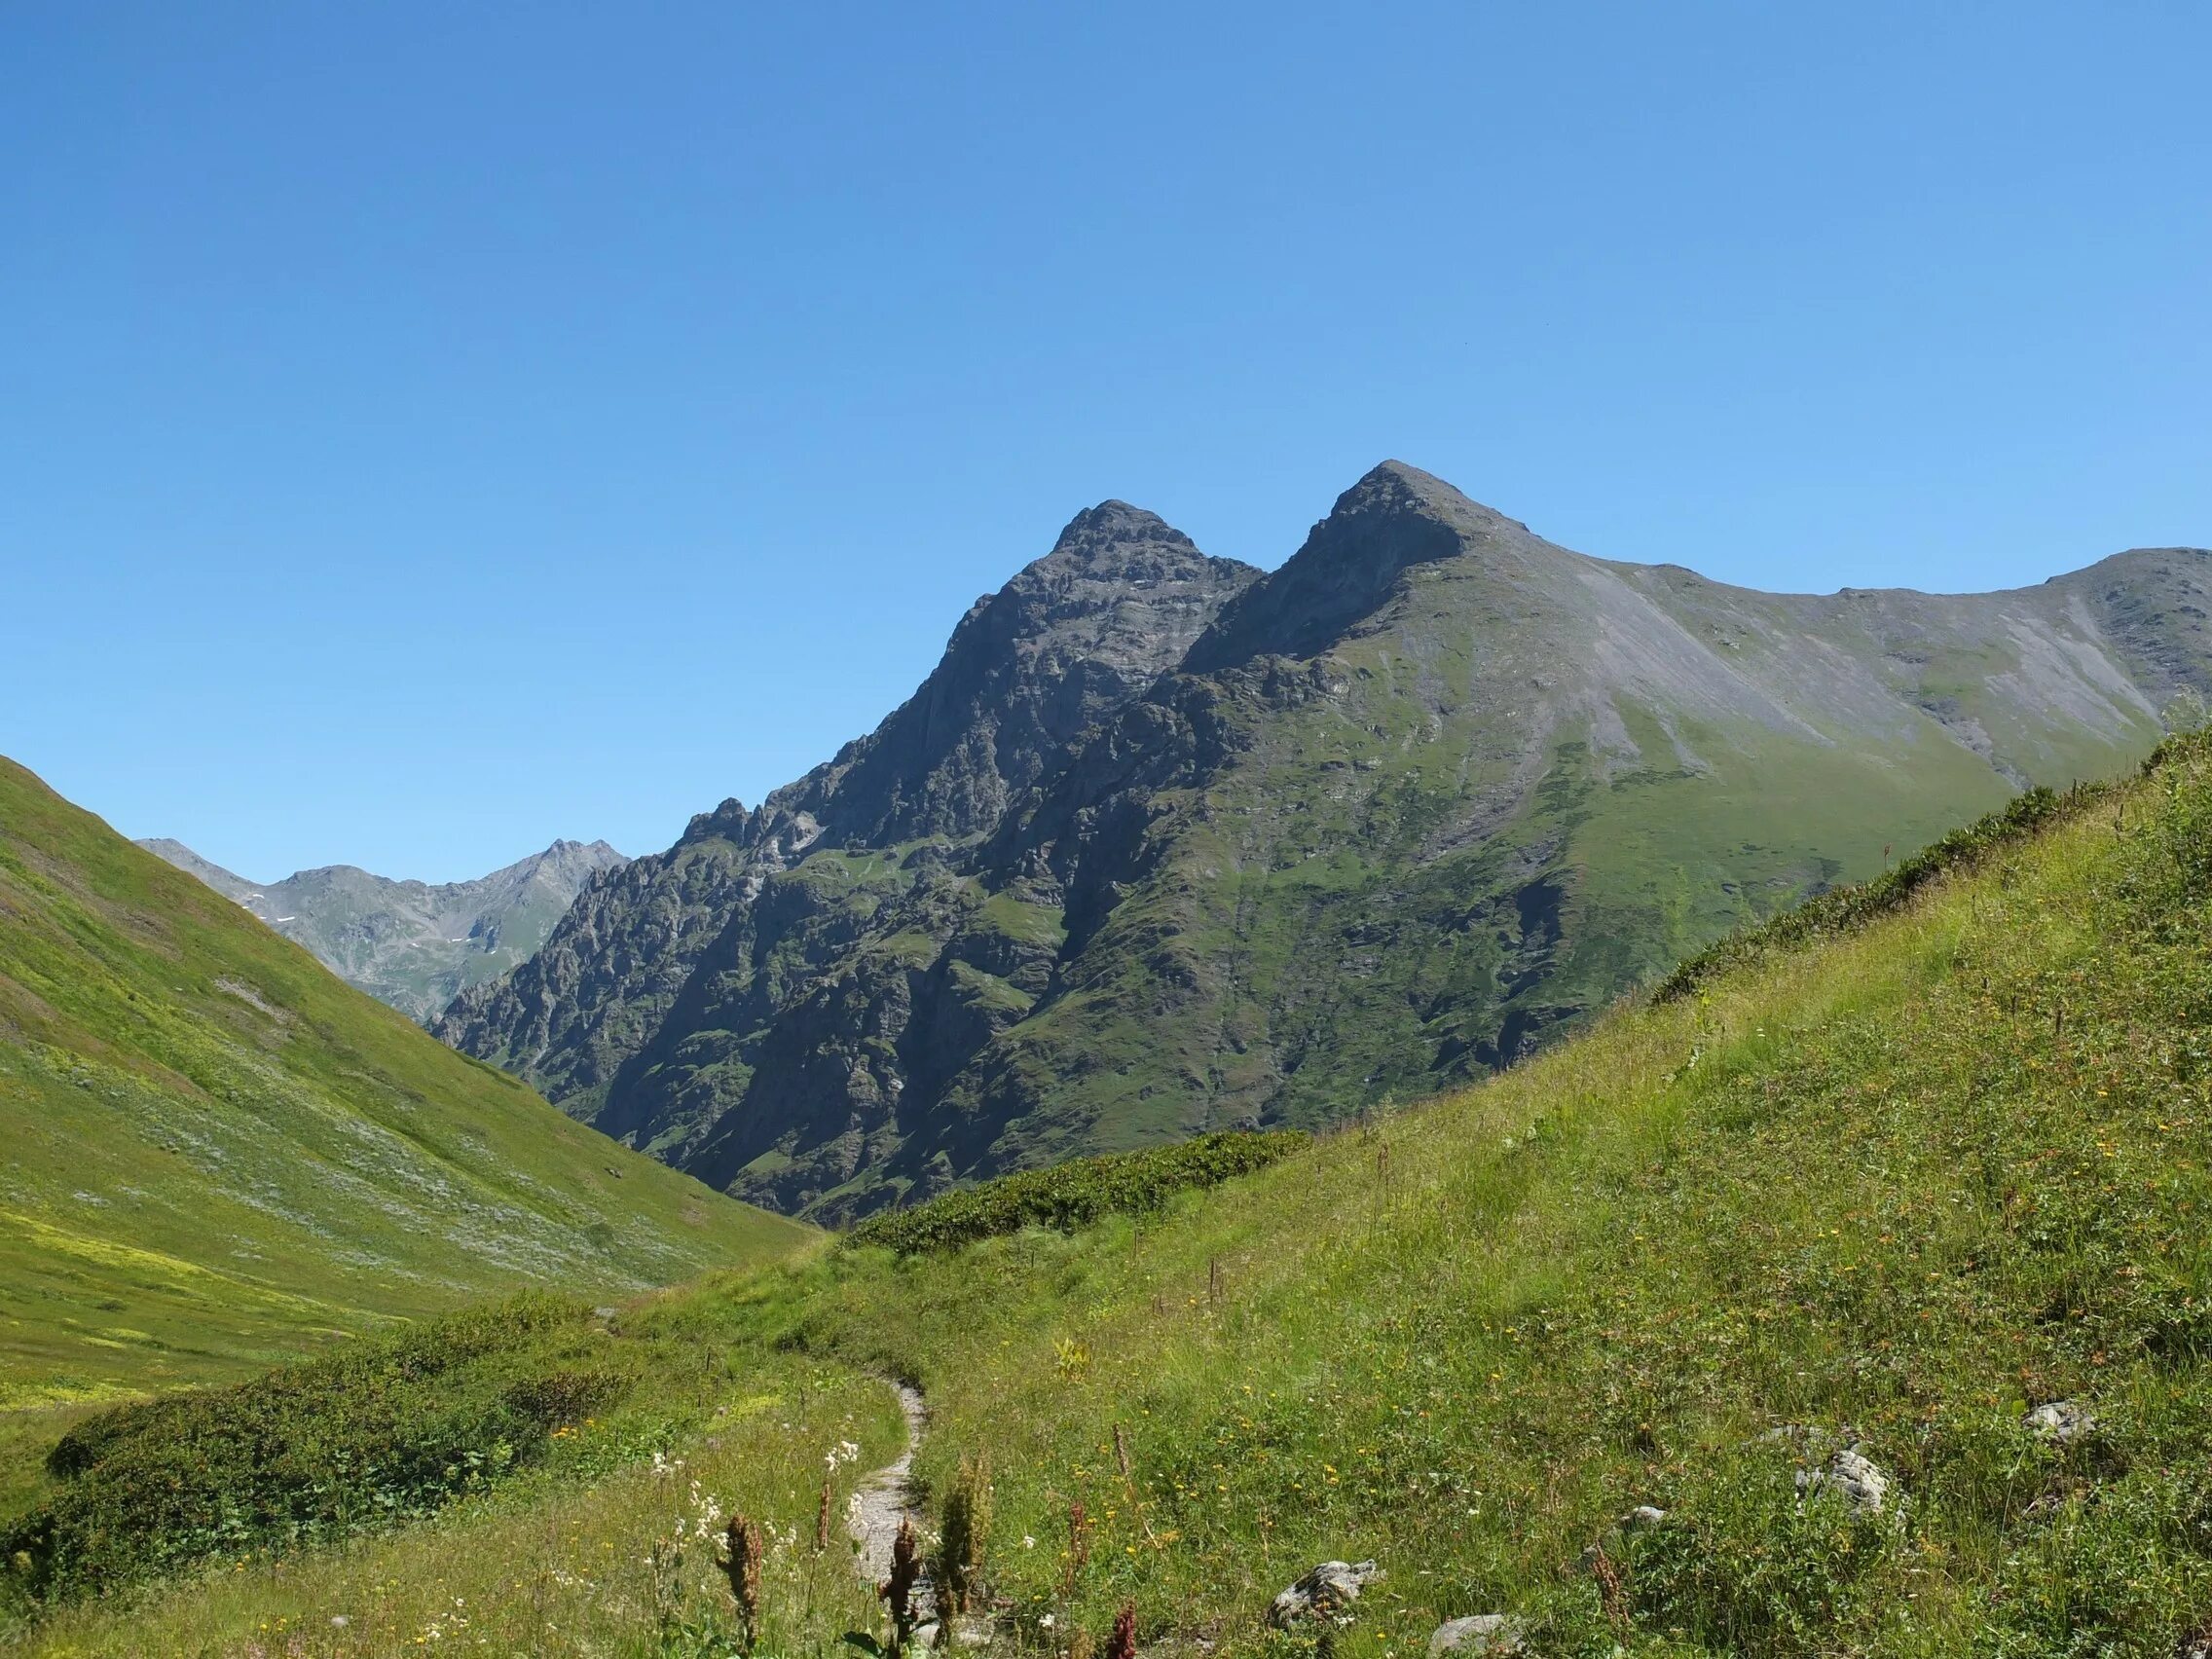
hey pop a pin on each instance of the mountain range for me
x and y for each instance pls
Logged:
(410, 943)
(1166, 843)
(215, 1154)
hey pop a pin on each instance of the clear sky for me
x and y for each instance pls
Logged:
(429, 430)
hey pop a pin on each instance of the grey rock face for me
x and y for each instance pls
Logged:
(1116, 604)
(1323, 1593)
(412, 943)
(1495, 1634)
(718, 974)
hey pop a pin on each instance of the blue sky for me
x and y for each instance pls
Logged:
(428, 430)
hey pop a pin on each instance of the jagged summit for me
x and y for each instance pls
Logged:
(1394, 486)
(1113, 522)
(412, 943)
(1071, 637)
(1395, 518)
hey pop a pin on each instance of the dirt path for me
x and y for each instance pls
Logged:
(884, 1499)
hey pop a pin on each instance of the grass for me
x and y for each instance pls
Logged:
(605, 1551)
(214, 1155)
(1895, 1185)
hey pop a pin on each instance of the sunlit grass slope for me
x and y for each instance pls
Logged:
(1897, 1183)
(213, 1154)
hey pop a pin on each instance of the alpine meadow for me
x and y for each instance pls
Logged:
(1193, 832)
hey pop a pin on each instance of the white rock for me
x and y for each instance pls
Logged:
(1852, 1476)
(2060, 1422)
(1479, 1634)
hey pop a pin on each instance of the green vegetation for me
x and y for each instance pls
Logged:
(214, 1155)
(1894, 1188)
(1075, 1193)
(386, 1431)
(1853, 905)
(599, 1547)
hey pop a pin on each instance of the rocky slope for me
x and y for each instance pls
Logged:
(410, 943)
(1165, 845)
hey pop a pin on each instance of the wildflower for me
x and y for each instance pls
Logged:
(898, 1591)
(1122, 1644)
(743, 1567)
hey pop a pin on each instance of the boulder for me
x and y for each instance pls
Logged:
(2060, 1422)
(1479, 1634)
(1328, 1589)
(1852, 1476)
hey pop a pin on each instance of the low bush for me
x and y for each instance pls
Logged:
(1069, 1196)
(355, 1442)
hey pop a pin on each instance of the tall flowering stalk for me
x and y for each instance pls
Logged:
(898, 1591)
(742, 1557)
(966, 1529)
(1123, 1643)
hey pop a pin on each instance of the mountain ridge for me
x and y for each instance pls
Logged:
(1426, 794)
(414, 945)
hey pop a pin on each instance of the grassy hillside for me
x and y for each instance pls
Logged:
(214, 1155)
(1893, 1180)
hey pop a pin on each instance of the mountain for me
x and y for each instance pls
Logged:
(407, 942)
(214, 1154)
(1386, 818)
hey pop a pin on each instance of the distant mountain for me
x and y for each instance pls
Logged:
(213, 1154)
(406, 943)
(1164, 844)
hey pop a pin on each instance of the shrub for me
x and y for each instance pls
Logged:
(1072, 1195)
(353, 1441)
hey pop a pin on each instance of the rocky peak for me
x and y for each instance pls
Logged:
(1395, 518)
(1073, 637)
